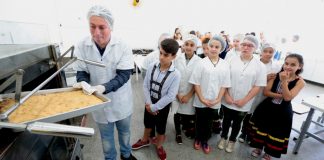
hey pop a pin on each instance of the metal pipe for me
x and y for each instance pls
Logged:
(9, 111)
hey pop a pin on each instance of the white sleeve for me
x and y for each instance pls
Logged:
(261, 77)
(126, 61)
(226, 80)
(196, 75)
(79, 53)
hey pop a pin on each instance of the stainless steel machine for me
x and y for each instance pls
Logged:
(31, 68)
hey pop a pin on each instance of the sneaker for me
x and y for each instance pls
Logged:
(266, 157)
(205, 148)
(242, 138)
(161, 153)
(197, 144)
(179, 139)
(230, 147)
(221, 144)
(256, 153)
(131, 157)
(140, 144)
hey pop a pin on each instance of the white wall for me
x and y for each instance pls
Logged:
(140, 26)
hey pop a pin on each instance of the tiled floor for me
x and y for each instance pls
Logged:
(310, 149)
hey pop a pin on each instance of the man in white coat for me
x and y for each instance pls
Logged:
(113, 80)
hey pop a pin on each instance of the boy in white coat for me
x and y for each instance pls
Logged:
(185, 115)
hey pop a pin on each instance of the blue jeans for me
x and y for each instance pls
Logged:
(108, 140)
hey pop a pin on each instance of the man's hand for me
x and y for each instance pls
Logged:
(99, 88)
(86, 88)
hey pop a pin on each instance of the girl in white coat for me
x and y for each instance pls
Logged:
(248, 74)
(185, 115)
(210, 79)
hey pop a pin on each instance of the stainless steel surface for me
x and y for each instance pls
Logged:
(66, 115)
(9, 111)
(13, 57)
(14, 126)
(5, 84)
(19, 77)
(59, 130)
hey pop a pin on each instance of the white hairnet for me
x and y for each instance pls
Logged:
(268, 45)
(252, 39)
(103, 12)
(192, 38)
(162, 37)
(219, 39)
(239, 37)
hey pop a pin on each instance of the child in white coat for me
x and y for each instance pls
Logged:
(185, 114)
(210, 79)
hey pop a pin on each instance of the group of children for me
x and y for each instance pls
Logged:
(245, 88)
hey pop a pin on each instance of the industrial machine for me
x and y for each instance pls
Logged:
(24, 71)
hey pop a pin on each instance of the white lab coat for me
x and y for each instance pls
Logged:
(116, 56)
(151, 58)
(232, 53)
(271, 67)
(243, 78)
(185, 71)
(211, 79)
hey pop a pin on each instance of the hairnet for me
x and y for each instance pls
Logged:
(192, 38)
(252, 39)
(162, 37)
(268, 45)
(238, 37)
(219, 39)
(103, 12)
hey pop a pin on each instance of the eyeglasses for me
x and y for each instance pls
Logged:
(177, 33)
(247, 45)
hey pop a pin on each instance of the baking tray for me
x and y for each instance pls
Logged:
(65, 115)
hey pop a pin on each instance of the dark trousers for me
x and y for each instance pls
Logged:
(187, 122)
(246, 124)
(232, 118)
(204, 118)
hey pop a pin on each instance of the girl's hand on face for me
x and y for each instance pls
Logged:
(283, 76)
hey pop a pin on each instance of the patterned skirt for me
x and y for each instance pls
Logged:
(270, 127)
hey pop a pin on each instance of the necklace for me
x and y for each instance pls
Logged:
(214, 64)
(246, 65)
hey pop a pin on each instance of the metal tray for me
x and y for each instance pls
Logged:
(65, 115)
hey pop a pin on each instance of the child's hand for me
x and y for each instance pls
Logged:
(148, 109)
(214, 102)
(271, 76)
(229, 99)
(185, 99)
(208, 103)
(179, 97)
(283, 76)
(240, 103)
